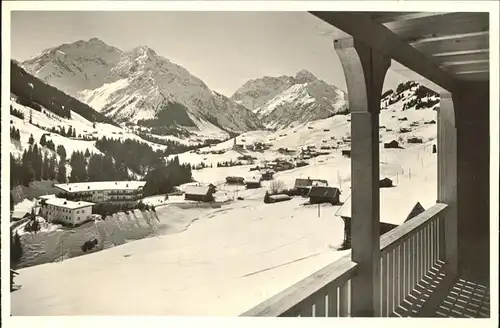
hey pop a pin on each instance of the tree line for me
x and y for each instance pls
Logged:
(15, 134)
(32, 92)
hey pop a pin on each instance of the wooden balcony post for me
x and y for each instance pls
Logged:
(364, 70)
(447, 182)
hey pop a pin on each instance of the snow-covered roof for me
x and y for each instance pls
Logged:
(19, 214)
(322, 191)
(196, 190)
(61, 202)
(47, 196)
(100, 185)
(395, 206)
(280, 196)
(302, 183)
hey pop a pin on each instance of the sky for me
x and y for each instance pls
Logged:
(224, 49)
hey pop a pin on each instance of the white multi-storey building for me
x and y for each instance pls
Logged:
(66, 211)
(103, 191)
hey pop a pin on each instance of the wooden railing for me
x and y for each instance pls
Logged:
(325, 293)
(407, 252)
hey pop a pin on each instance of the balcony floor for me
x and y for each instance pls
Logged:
(455, 298)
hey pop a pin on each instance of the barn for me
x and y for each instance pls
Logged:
(346, 152)
(303, 186)
(323, 194)
(252, 183)
(200, 193)
(392, 145)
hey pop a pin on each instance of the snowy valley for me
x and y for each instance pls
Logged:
(178, 129)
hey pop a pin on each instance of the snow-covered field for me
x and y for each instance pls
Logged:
(223, 261)
(207, 261)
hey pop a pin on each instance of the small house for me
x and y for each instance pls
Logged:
(430, 122)
(235, 180)
(386, 183)
(279, 198)
(346, 153)
(19, 215)
(252, 184)
(199, 193)
(403, 119)
(323, 194)
(392, 145)
(414, 140)
(303, 186)
(301, 163)
(404, 130)
(267, 175)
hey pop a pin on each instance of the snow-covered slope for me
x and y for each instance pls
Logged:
(137, 85)
(284, 101)
(41, 121)
(248, 248)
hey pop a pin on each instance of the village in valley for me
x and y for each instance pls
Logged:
(207, 196)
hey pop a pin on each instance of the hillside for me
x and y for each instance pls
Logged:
(246, 247)
(32, 92)
(136, 85)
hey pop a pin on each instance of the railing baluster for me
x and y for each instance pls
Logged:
(401, 279)
(415, 262)
(306, 308)
(383, 292)
(320, 304)
(332, 301)
(410, 267)
(435, 243)
(407, 267)
(429, 247)
(417, 257)
(421, 255)
(442, 250)
(391, 292)
(344, 300)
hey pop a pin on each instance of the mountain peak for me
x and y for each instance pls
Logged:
(305, 76)
(143, 51)
(96, 41)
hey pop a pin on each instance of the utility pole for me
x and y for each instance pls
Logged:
(319, 210)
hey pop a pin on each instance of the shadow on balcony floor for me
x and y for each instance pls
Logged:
(466, 299)
(437, 295)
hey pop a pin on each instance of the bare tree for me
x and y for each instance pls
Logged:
(276, 186)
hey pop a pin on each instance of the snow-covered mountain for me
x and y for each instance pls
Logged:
(76, 66)
(286, 100)
(135, 85)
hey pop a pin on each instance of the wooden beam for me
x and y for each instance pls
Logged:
(458, 56)
(464, 62)
(379, 37)
(474, 42)
(441, 25)
(433, 38)
(474, 76)
(466, 69)
(412, 76)
(387, 17)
